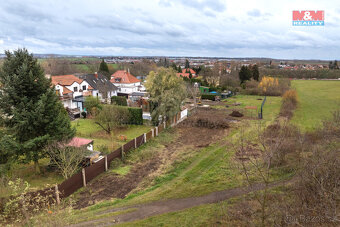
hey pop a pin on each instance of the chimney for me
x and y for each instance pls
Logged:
(96, 75)
(128, 70)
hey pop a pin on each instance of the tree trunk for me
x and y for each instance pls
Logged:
(36, 166)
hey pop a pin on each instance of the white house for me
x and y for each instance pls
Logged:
(71, 90)
(125, 82)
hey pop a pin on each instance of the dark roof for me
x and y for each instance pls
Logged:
(99, 83)
(142, 94)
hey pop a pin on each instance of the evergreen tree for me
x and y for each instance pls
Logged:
(244, 74)
(31, 111)
(335, 65)
(255, 72)
(187, 64)
(331, 65)
(103, 67)
(190, 75)
(179, 69)
(173, 65)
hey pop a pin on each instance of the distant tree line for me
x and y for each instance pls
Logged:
(302, 73)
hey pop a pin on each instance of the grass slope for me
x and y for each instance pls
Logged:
(317, 100)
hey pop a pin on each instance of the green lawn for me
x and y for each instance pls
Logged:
(87, 128)
(270, 110)
(317, 100)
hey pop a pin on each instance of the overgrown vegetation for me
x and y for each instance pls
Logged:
(267, 86)
(119, 100)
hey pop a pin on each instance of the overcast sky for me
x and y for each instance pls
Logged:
(169, 27)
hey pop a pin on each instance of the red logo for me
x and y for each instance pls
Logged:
(308, 15)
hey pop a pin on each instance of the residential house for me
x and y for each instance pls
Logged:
(71, 90)
(187, 75)
(126, 83)
(193, 73)
(91, 156)
(102, 87)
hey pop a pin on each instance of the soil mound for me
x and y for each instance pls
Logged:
(235, 113)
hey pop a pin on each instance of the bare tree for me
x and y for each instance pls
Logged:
(193, 92)
(56, 66)
(111, 116)
(67, 159)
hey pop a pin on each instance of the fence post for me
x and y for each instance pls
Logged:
(135, 143)
(57, 194)
(144, 137)
(84, 176)
(123, 152)
(106, 163)
(153, 132)
(157, 131)
(164, 124)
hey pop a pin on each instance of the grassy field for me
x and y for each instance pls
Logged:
(317, 100)
(270, 110)
(87, 128)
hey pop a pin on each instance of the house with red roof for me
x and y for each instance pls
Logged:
(126, 82)
(188, 70)
(71, 90)
(183, 75)
(81, 142)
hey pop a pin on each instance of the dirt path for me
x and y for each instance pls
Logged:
(161, 207)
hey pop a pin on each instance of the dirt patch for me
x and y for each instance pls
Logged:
(236, 113)
(115, 186)
(251, 151)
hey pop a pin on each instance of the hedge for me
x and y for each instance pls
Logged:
(208, 96)
(136, 116)
(119, 100)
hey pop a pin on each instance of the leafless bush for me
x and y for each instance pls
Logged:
(318, 188)
(67, 159)
(281, 139)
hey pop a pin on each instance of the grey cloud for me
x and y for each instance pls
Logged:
(254, 13)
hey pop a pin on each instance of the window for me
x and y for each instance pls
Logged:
(84, 87)
(75, 89)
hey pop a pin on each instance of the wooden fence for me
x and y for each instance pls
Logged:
(87, 174)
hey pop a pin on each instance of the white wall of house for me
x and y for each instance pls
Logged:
(127, 88)
(60, 89)
(76, 87)
(67, 103)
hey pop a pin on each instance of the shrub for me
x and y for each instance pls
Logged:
(290, 96)
(136, 116)
(119, 100)
(92, 104)
(208, 96)
(83, 114)
(268, 86)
